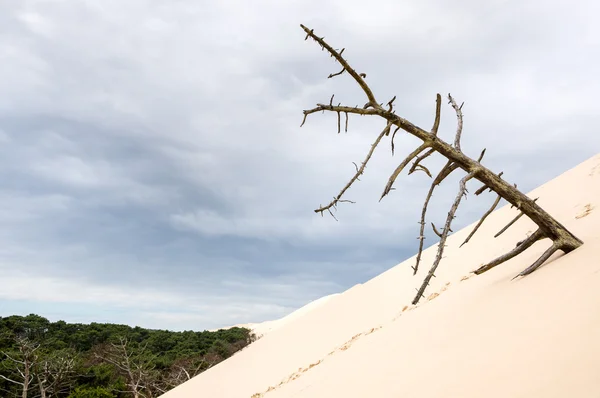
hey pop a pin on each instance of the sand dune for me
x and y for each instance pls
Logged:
(262, 328)
(480, 336)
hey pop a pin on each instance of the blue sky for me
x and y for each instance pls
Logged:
(152, 168)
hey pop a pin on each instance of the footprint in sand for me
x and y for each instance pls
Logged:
(436, 294)
(296, 375)
(432, 296)
(587, 209)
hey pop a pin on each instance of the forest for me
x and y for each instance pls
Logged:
(43, 359)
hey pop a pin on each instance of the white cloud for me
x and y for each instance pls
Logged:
(138, 305)
(21, 286)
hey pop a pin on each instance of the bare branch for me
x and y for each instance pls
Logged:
(338, 56)
(13, 359)
(12, 381)
(459, 117)
(435, 230)
(341, 108)
(425, 169)
(401, 167)
(545, 256)
(336, 74)
(394, 136)
(481, 156)
(346, 126)
(441, 245)
(337, 108)
(436, 122)
(390, 104)
(444, 172)
(514, 220)
(332, 215)
(526, 244)
(356, 175)
(418, 160)
(304, 119)
(485, 215)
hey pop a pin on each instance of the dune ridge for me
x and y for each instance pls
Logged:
(262, 328)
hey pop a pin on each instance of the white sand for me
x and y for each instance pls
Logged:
(487, 336)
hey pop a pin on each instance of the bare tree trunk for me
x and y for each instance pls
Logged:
(26, 383)
(133, 363)
(24, 361)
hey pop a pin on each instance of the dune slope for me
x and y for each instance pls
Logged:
(262, 328)
(479, 336)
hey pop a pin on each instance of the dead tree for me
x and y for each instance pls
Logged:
(548, 227)
(23, 362)
(55, 373)
(134, 363)
(184, 369)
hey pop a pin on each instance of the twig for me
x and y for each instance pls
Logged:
(401, 167)
(418, 160)
(423, 168)
(481, 156)
(390, 104)
(487, 213)
(459, 117)
(336, 74)
(341, 108)
(338, 56)
(435, 230)
(436, 122)
(461, 192)
(394, 136)
(359, 171)
(346, 127)
(514, 220)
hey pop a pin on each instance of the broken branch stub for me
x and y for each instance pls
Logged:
(548, 226)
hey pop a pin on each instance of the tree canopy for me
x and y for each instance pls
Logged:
(39, 358)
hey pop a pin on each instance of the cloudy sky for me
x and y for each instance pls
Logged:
(153, 171)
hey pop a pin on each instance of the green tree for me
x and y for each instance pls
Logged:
(58, 359)
(91, 392)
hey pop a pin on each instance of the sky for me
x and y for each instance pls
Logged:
(153, 171)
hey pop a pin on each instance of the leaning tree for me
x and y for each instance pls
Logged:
(548, 227)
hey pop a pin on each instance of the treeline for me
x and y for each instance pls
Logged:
(43, 359)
